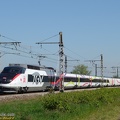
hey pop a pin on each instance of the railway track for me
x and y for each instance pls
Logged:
(25, 96)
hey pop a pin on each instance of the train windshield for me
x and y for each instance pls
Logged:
(13, 70)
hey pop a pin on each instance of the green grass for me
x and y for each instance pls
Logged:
(103, 104)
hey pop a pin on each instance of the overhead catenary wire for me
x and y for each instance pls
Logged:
(49, 38)
(29, 53)
(30, 47)
(74, 53)
(30, 50)
(7, 37)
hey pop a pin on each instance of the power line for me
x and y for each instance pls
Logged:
(8, 53)
(13, 43)
(7, 37)
(28, 50)
(31, 54)
(49, 37)
(74, 52)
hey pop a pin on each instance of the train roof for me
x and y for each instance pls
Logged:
(31, 66)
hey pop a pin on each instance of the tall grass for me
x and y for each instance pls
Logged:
(64, 106)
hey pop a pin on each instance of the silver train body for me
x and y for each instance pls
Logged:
(23, 78)
(85, 81)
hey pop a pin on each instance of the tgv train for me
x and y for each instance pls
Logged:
(82, 81)
(20, 78)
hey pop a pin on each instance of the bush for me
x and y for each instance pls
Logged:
(55, 101)
(63, 101)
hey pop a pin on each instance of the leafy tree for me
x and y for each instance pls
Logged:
(81, 69)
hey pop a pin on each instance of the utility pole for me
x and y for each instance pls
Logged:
(93, 61)
(117, 71)
(61, 60)
(65, 63)
(95, 69)
(102, 69)
(61, 63)
(101, 60)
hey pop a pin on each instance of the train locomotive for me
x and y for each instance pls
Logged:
(19, 78)
(22, 78)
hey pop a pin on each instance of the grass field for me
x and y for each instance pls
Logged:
(103, 104)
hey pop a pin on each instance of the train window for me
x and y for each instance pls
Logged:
(49, 72)
(96, 80)
(68, 79)
(12, 70)
(107, 81)
(22, 70)
(6, 70)
(84, 80)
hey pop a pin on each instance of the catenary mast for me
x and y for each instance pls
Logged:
(61, 60)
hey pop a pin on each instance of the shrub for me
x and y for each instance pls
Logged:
(63, 101)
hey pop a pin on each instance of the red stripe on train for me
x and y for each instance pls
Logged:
(56, 82)
(15, 76)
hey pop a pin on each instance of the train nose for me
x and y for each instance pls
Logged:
(5, 80)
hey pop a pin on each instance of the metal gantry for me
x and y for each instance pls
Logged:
(61, 60)
(11, 43)
(117, 71)
(102, 69)
(101, 60)
(61, 63)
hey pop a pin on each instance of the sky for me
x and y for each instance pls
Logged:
(89, 28)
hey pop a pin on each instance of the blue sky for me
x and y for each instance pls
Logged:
(89, 28)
